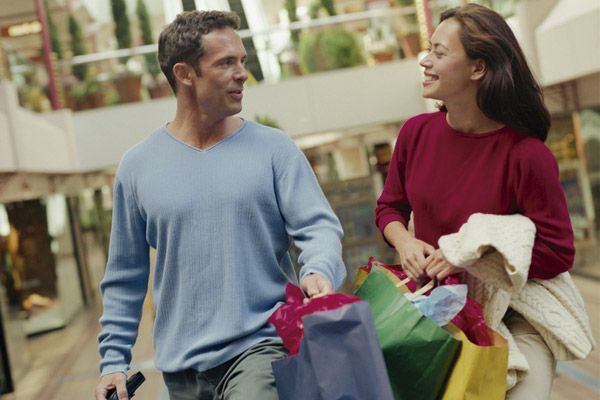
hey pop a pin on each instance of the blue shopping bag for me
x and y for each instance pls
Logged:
(339, 358)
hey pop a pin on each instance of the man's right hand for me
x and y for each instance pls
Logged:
(110, 381)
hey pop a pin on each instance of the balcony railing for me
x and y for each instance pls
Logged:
(323, 44)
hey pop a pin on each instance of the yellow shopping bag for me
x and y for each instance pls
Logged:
(480, 371)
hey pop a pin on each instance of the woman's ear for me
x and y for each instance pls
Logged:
(479, 70)
(183, 74)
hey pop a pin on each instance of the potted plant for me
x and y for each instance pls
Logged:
(54, 36)
(267, 121)
(158, 87)
(330, 49)
(77, 48)
(128, 84)
(325, 49)
(410, 38)
(291, 7)
(77, 98)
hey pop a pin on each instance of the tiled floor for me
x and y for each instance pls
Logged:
(65, 362)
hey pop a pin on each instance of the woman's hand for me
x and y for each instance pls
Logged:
(412, 251)
(413, 257)
(437, 267)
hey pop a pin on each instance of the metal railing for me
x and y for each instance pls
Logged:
(379, 36)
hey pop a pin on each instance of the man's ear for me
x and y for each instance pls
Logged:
(479, 70)
(183, 74)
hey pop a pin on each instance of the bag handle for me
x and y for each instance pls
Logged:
(428, 286)
(403, 282)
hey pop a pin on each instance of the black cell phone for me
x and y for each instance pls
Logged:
(133, 383)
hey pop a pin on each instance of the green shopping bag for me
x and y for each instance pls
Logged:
(418, 354)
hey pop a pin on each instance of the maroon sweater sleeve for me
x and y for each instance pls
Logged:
(393, 204)
(540, 197)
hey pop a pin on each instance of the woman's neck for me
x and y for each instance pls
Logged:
(470, 119)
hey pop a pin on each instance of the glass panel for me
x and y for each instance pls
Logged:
(44, 281)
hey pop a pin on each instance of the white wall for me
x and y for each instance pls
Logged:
(568, 41)
(309, 104)
(340, 99)
(7, 160)
(528, 16)
(39, 143)
(104, 134)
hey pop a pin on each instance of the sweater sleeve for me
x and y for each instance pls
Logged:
(124, 284)
(309, 219)
(393, 204)
(539, 197)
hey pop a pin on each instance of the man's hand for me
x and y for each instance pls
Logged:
(110, 381)
(315, 285)
(436, 266)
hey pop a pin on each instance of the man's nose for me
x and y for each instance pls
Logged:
(241, 74)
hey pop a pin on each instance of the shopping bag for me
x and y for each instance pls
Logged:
(339, 358)
(470, 319)
(287, 318)
(418, 354)
(392, 271)
(480, 371)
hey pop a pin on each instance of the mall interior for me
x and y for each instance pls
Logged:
(338, 76)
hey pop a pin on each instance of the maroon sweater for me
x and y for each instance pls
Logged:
(444, 176)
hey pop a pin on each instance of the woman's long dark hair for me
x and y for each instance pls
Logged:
(508, 93)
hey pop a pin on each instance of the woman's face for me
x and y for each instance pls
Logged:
(448, 70)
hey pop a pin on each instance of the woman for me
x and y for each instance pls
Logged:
(483, 152)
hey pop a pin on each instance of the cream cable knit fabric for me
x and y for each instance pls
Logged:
(495, 250)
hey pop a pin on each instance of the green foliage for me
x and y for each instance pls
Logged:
(307, 52)
(267, 121)
(410, 21)
(291, 6)
(122, 30)
(329, 6)
(316, 5)
(188, 5)
(146, 28)
(327, 50)
(78, 91)
(340, 49)
(78, 48)
(54, 37)
(313, 9)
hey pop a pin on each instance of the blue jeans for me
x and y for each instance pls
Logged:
(248, 376)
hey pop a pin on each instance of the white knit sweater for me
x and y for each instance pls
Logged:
(495, 250)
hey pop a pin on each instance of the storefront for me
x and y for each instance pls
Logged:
(52, 257)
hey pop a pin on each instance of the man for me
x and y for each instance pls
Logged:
(218, 197)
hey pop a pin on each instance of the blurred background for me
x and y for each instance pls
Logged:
(80, 84)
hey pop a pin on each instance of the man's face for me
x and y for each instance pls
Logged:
(220, 84)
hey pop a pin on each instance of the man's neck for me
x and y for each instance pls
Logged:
(200, 130)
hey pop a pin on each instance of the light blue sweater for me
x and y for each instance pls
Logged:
(220, 220)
